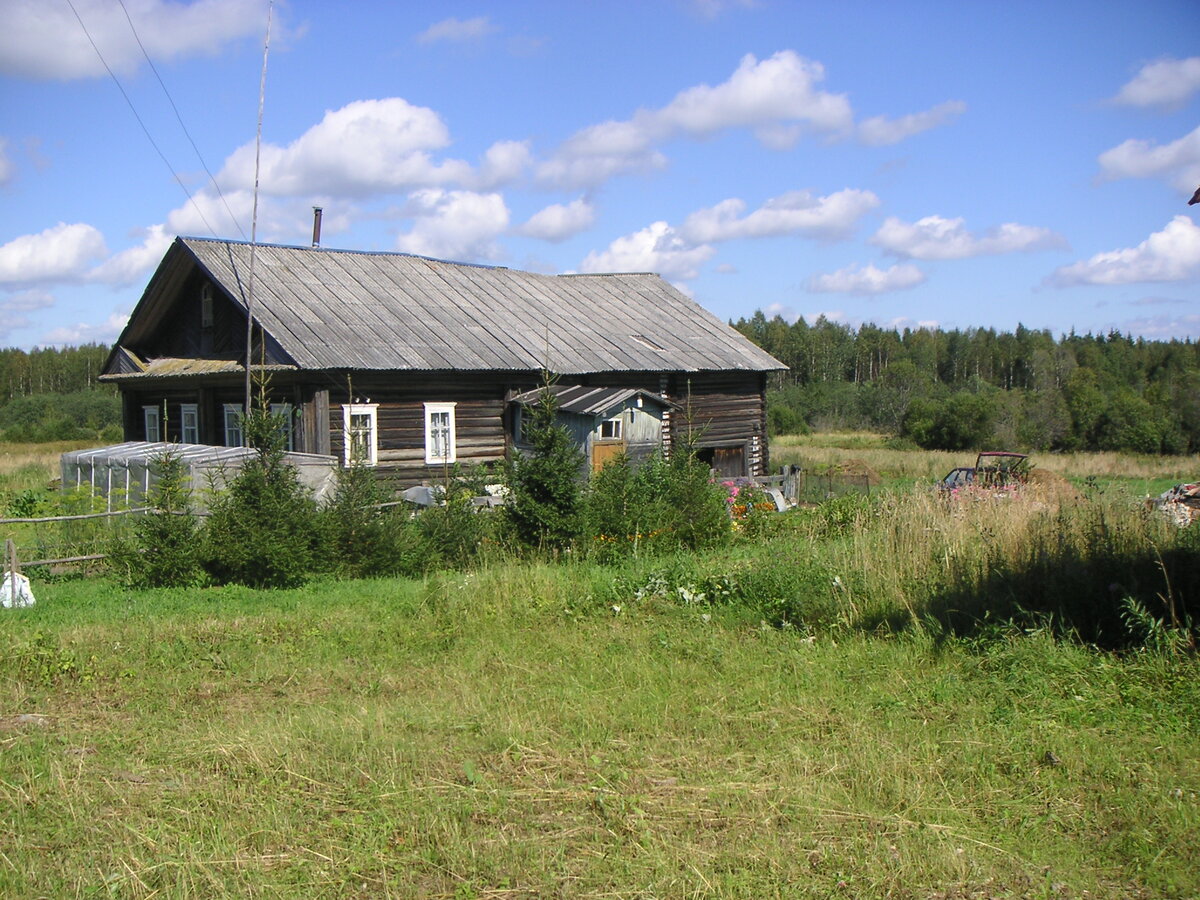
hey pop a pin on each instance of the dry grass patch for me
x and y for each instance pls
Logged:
(822, 451)
(43, 457)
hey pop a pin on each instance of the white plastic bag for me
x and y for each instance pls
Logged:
(15, 590)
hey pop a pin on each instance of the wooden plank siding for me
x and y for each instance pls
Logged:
(401, 331)
(724, 409)
(479, 421)
(720, 409)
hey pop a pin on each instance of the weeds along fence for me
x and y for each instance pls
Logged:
(67, 539)
(808, 487)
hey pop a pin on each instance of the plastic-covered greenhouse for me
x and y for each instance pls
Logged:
(124, 473)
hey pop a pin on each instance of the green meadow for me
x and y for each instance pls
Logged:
(894, 696)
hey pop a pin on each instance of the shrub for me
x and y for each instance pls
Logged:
(360, 539)
(544, 490)
(658, 506)
(782, 591)
(452, 535)
(263, 526)
(698, 513)
(754, 513)
(164, 548)
(81, 415)
(784, 420)
(616, 509)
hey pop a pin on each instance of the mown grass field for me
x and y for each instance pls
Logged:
(635, 731)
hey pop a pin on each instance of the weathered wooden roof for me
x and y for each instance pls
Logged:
(334, 309)
(169, 366)
(586, 400)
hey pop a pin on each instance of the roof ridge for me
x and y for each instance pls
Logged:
(401, 253)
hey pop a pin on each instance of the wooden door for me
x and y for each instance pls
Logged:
(730, 461)
(603, 451)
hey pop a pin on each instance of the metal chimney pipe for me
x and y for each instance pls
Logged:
(316, 227)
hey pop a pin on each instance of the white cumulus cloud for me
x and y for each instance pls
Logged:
(87, 332)
(62, 253)
(560, 221)
(1172, 254)
(365, 147)
(881, 131)
(206, 214)
(45, 40)
(779, 99)
(1178, 162)
(935, 237)
(457, 30)
(762, 95)
(1166, 83)
(13, 310)
(795, 212)
(1163, 328)
(6, 165)
(855, 279)
(454, 224)
(597, 153)
(656, 248)
(131, 265)
(502, 163)
(780, 88)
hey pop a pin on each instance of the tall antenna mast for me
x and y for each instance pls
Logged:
(262, 91)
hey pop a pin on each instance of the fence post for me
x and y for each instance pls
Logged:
(10, 567)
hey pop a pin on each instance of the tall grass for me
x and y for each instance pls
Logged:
(1075, 565)
(509, 734)
(27, 459)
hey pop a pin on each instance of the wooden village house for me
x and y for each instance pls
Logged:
(411, 364)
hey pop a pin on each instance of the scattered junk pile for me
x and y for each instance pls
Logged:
(15, 591)
(1180, 504)
(797, 486)
(996, 473)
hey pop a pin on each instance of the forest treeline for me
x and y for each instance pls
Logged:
(52, 394)
(979, 388)
(943, 389)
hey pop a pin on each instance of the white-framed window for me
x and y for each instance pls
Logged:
(610, 429)
(234, 436)
(153, 419)
(360, 434)
(189, 423)
(439, 433)
(286, 426)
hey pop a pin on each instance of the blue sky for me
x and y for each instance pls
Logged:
(945, 165)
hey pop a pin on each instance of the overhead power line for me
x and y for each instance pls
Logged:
(145, 130)
(179, 118)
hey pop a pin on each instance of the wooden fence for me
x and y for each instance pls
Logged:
(63, 547)
(804, 487)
